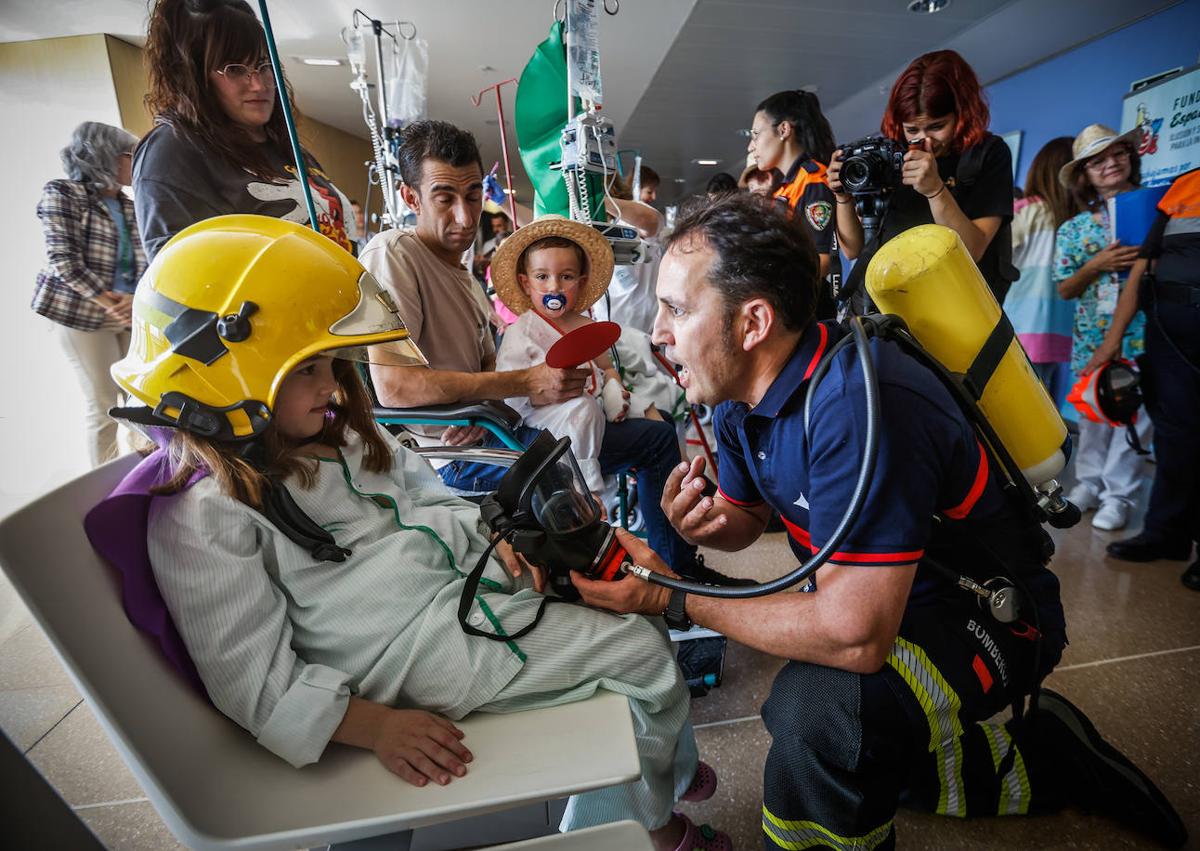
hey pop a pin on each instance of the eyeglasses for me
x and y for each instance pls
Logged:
(1117, 155)
(754, 134)
(235, 72)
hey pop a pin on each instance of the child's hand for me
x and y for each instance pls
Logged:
(516, 564)
(616, 401)
(420, 746)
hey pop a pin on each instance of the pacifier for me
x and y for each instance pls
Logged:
(554, 301)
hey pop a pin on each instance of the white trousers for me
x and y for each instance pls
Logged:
(1107, 464)
(92, 353)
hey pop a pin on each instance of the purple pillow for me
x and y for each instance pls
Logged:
(117, 528)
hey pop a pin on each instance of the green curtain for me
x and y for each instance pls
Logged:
(541, 114)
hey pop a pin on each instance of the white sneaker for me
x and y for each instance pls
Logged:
(1113, 514)
(1083, 497)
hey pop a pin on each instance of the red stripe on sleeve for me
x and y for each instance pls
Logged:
(802, 537)
(739, 502)
(961, 510)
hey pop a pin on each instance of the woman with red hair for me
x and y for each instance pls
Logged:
(955, 173)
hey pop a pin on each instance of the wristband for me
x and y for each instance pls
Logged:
(676, 613)
(935, 194)
(839, 201)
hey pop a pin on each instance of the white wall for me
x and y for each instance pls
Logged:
(46, 88)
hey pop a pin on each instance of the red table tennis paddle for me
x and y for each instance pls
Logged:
(582, 345)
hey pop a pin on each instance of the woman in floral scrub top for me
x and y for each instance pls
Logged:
(1090, 267)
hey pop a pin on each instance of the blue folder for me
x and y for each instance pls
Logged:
(1135, 212)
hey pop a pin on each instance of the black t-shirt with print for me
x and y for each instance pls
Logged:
(989, 192)
(177, 181)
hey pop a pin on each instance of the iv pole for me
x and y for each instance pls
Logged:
(478, 99)
(383, 134)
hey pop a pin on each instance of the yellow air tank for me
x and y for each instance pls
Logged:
(926, 277)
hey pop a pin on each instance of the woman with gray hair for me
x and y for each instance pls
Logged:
(94, 258)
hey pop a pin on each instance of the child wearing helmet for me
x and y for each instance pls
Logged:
(549, 273)
(313, 566)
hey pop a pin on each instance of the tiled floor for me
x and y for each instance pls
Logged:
(1132, 664)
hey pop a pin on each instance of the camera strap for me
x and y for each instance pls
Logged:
(471, 586)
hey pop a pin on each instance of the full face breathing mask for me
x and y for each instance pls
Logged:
(545, 510)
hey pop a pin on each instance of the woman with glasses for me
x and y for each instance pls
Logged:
(1089, 267)
(93, 261)
(791, 135)
(220, 144)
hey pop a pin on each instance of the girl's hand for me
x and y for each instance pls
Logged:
(1114, 257)
(419, 746)
(516, 565)
(833, 175)
(1105, 352)
(920, 170)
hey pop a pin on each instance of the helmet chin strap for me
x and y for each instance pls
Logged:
(285, 515)
(278, 505)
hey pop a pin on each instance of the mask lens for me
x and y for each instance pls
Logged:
(560, 500)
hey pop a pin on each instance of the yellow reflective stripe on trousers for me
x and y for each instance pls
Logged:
(1014, 786)
(941, 706)
(797, 835)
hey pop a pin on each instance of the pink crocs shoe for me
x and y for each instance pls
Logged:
(702, 838)
(704, 784)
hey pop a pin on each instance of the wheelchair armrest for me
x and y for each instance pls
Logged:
(497, 413)
(472, 454)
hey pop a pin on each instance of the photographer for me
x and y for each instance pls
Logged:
(954, 173)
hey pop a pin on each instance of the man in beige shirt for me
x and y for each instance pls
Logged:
(447, 315)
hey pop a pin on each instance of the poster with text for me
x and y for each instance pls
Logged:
(1168, 114)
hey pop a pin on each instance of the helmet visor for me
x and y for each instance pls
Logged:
(376, 315)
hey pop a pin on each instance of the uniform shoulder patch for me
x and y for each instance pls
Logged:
(819, 214)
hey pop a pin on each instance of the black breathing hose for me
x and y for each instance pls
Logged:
(865, 472)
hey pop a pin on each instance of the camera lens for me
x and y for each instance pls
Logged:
(856, 173)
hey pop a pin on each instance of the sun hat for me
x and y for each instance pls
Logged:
(1092, 140)
(595, 247)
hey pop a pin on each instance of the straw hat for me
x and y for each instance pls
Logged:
(1092, 140)
(594, 245)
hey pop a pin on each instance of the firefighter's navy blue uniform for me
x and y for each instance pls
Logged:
(848, 747)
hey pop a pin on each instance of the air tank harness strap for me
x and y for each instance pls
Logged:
(979, 373)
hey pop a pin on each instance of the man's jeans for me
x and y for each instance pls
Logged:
(648, 445)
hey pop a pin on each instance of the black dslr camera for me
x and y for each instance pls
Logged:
(872, 166)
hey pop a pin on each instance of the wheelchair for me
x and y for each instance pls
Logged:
(700, 652)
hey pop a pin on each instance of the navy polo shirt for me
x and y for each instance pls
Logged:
(930, 461)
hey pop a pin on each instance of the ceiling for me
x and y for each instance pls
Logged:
(729, 56)
(681, 77)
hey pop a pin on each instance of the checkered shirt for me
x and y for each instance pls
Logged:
(81, 253)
